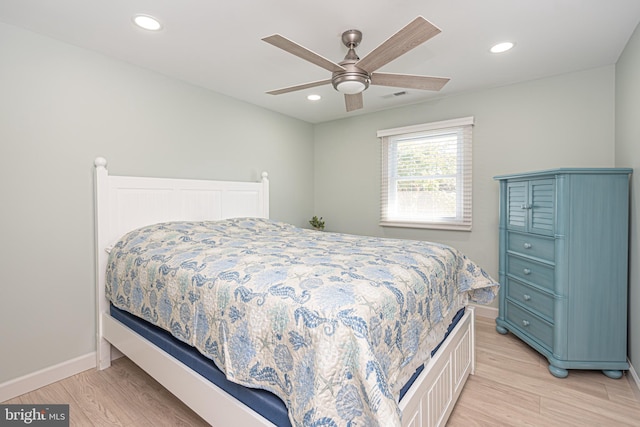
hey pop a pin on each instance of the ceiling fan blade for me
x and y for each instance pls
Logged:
(408, 81)
(299, 87)
(412, 35)
(353, 102)
(302, 52)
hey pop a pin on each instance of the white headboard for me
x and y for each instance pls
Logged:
(124, 203)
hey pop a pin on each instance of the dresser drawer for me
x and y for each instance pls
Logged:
(533, 246)
(530, 324)
(530, 271)
(531, 298)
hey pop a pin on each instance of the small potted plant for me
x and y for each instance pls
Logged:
(317, 223)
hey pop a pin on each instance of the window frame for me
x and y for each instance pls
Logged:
(390, 138)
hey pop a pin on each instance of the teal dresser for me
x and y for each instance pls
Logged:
(563, 266)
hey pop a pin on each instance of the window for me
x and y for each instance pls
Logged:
(426, 175)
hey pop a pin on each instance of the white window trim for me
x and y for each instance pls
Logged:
(466, 223)
(426, 127)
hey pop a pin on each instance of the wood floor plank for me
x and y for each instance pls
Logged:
(540, 380)
(149, 398)
(571, 413)
(623, 390)
(57, 394)
(511, 387)
(513, 407)
(97, 400)
(14, 401)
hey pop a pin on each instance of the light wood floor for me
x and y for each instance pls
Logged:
(511, 387)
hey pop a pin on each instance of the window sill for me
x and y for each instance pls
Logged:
(427, 225)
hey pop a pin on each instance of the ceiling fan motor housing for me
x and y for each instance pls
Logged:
(354, 79)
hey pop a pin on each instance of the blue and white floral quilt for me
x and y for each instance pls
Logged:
(334, 324)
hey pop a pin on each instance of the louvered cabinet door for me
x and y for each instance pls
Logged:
(517, 203)
(530, 206)
(541, 206)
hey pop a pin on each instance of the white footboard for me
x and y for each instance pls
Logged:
(207, 400)
(432, 397)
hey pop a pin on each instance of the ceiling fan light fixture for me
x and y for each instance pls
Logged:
(350, 83)
(351, 87)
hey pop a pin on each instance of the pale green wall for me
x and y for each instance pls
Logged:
(628, 155)
(60, 107)
(564, 121)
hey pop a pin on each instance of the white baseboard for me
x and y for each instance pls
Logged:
(485, 311)
(635, 377)
(36, 380)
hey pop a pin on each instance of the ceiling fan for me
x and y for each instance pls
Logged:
(353, 75)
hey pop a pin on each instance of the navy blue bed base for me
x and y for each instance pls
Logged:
(263, 402)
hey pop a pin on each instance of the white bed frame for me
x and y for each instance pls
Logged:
(125, 203)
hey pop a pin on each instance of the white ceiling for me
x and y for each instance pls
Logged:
(217, 44)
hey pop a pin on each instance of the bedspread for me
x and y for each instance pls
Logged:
(333, 324)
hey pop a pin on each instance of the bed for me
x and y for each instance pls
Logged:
(336, 328)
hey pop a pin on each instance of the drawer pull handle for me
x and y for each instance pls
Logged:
(526, 271)
(525, 206)
(527, 245)
(525, 323)
(526, 297)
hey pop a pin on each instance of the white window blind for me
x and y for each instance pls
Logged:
(426, 175)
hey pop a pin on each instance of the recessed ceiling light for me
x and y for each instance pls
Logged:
(147, 22)
(314, 97)
(501, 47)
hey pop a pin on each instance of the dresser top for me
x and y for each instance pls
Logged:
(567, 171)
